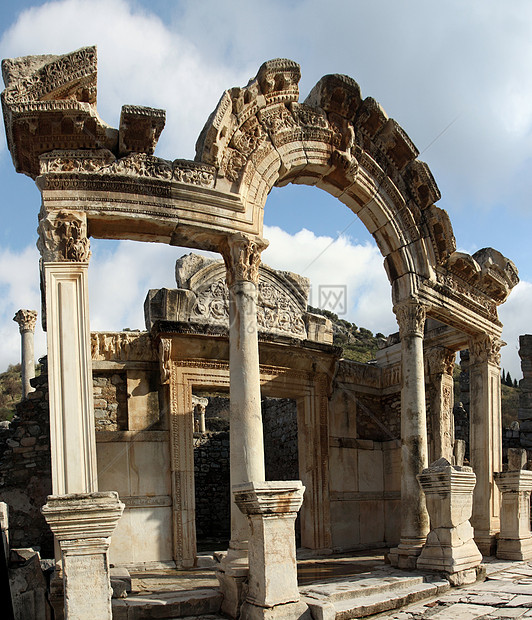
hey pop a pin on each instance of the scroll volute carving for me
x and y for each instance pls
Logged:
(241, 256)
(63, 237)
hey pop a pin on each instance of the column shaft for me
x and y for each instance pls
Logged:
(414, 516)
(485, 438)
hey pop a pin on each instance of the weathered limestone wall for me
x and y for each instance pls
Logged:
(365, 458)
(25, 470)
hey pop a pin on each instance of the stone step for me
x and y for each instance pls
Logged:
(344, 600)
(202, 602)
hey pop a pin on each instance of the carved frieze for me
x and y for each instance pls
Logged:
(165, 365)
(63, 237)
(122, 346)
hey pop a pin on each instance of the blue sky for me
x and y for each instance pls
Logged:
(455, 75)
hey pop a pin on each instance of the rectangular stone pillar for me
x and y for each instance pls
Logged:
(271, 508)
(515, 537)
(72, 434)
(440, 364)
(485, 438)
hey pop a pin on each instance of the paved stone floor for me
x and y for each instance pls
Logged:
(506, 593)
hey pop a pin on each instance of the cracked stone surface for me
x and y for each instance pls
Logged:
(506, 593)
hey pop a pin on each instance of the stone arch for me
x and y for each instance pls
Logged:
(260, 136)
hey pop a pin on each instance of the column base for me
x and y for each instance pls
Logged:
(232, 574)
(463, 577)
(288, 611)
(486, 543)
(515, 549)
(406, 554)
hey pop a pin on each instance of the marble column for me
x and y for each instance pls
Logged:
(485, 437)
(242, 259)
(414, 516)
(440, 366)
(26, 320)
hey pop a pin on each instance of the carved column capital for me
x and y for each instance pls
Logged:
(63, 237)
(411, 317)
(440, 360)
(241, 256)
(485, 349)
(26, 320)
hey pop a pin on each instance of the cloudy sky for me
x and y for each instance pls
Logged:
(456, 75)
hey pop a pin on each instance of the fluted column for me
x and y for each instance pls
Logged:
(440, 366)
(242, 259)
(26, 320)
(485, 437)
(414, 516)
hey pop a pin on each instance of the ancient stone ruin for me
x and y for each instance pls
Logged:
(124, 407)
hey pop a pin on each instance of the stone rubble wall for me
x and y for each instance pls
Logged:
(110, 401)
(25, 470)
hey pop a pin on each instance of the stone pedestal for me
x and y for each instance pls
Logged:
(242, 259)
(515, 538)
(485, 438)
(83, 524)
(414, 517)
(450, 546)
(26, 320)
(271, 508)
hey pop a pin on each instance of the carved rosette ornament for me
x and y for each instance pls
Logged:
(241, 256)
(485, 349)
(26, 320)
(411, 318)
(440, 360)
(63, 237)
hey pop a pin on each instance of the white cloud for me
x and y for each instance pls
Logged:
(331, 263)
(516, 317)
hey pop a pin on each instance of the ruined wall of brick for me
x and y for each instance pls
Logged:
(25, 470)
(379, 418)
(110, 401)
(279, 421)
(525, 394)
(211, 472)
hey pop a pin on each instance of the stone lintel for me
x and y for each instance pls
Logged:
(269, 498)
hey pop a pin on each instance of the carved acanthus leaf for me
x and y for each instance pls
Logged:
(485, 349)
(242, 258)
(411, 318)
(440, 360)
(26, 320)
(63, 237)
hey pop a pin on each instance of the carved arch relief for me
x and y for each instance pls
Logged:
(259, 136)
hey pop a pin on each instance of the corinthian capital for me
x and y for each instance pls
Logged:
(242, 258)
(63, 237)
(485, 349)
(26, 320)
(411, 318)
(440, 360)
